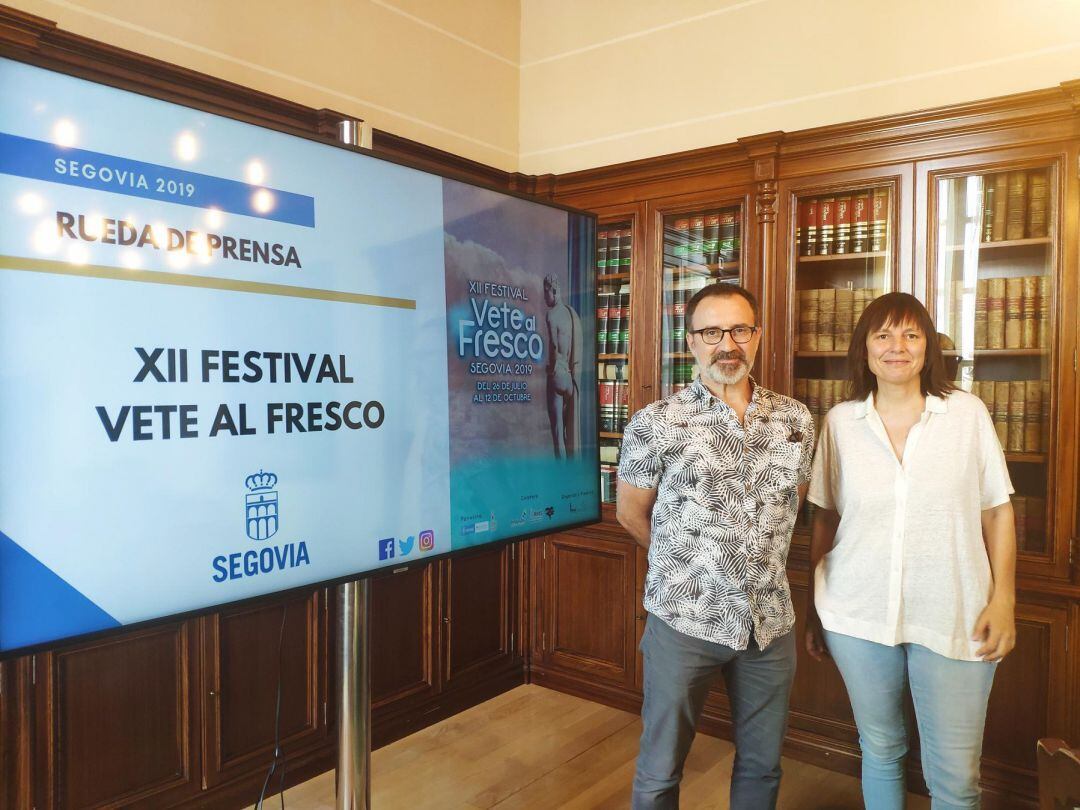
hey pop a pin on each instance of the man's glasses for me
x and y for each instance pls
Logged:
(713, 334)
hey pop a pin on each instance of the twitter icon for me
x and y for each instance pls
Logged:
(406, 545)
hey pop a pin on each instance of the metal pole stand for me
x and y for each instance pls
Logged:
(354, 696)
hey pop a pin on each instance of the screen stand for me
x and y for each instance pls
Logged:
(354, 696)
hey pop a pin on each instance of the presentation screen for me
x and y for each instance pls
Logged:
(235, 361)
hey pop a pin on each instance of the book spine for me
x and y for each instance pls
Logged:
(1029, 317)
(712, 238)
(697, 239)
(678, 320)
(985, 392)
(1001, 201)
(603, 312)
(1001, 412)
(808, 320)
(681, 247)
(1016, 212)
(1038, 199)
(1035, 531)
(1044, 420)
(1019, 505)
(736, 249)
(845, 307)
(879, 220)
(800, 389)
(607, 406)
(826, 319)
(1014, 442)
(826, 225)
(624, 322)
(800, 227)
(1043, 326)
(727, 236)
(810, 244)
(1033, 416)
(843, 224)
(860, 221)
(614, 323)
(813, 399)
(988, 209)
(601, 252)
(1014, 310)
(982, 287)
(995, 314)
(626, 249)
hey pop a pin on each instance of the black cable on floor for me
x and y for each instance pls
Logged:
(278, 759)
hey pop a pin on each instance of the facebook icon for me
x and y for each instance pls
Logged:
(386, 548)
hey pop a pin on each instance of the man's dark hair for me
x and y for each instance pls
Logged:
(897, 309)
(721, 290)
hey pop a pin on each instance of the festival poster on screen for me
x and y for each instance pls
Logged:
(222, 369)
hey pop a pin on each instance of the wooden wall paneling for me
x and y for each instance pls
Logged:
(240, 677)
(478, 623)
(16, 733)
(900, 178)
(117, 720)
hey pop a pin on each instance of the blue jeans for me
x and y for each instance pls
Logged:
(950, 707)
(678, 673)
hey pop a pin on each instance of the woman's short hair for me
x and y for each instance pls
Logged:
(896, 309)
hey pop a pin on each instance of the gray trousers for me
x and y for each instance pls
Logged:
(679, 670)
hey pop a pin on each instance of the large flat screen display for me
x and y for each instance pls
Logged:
(235, 361)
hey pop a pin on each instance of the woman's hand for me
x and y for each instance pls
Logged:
(996, 628)
(815, 638)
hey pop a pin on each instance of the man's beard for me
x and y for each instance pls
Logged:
(722, 376)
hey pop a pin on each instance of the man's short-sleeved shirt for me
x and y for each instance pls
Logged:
(908, 564)
(726, 503)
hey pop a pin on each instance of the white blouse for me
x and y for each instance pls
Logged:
(908, 564)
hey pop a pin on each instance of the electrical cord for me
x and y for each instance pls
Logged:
(278, 759)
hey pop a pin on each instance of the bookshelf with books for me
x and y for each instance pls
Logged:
(815, 253)
(993, 284)
(842, 259)
(614, 251)
(701, 246)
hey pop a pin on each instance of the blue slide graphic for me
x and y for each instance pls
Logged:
(36, 605)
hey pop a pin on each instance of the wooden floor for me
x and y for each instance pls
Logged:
(535, 748)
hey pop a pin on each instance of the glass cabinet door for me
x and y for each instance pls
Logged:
(614, 249)
(843, 261)
(993, 284)
(700, 247)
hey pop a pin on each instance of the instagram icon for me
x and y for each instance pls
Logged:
(427, 540)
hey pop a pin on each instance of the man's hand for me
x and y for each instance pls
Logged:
(815, 638)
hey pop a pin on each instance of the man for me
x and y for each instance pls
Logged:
(710, 483)
(564, 360)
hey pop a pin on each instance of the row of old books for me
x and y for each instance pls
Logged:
(1015, 205)
(609, 475)
(819, 396)
(845, 222)
(827, 317)
(614, 405)
(614, 248)
(683, 372)
(1020, 410)
(1010, 313)
(1029, 514)
(708, 237)
(613, 321)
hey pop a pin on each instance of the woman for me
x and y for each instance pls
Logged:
(913, 552)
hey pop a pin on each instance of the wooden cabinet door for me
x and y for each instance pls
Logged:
(117, 720)
(588, 620)
(1028, 700)
(404, 653)
(240, 676)
(479, 621)
(16, 733)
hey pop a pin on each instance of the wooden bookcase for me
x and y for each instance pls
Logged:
(926, 165)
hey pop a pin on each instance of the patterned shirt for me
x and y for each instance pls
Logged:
(726, 502)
